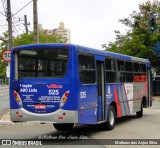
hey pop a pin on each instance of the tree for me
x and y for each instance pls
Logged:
(138, 41)
(3, 46)
(28, 39)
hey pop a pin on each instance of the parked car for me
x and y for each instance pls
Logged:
(156, 86)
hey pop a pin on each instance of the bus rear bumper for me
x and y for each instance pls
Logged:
(59, 116)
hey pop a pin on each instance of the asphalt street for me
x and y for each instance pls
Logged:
(4, 99)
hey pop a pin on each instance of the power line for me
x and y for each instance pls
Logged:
(3, 4)
(15, 30)
(22, 8)
(2, 14)
(17, 24)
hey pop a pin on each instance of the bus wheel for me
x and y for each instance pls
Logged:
(63, 127)
(111, 120)
(140, 113)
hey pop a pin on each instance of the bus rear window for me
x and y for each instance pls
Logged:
(42, 62)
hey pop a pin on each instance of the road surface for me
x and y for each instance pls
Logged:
(4, 99)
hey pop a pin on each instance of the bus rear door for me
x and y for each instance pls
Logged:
(101, 88)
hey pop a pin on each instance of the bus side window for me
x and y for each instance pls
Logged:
(143, 72)
(87, 69)
(110, 70)
(137, 77)
(129, 71)
(121, 71)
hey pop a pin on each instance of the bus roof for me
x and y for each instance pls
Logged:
(82, 49)
(112, 54)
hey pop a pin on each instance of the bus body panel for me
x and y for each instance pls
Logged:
(47, 93)
(43, 96)
(22, 115)
(88, 104)
(127, 96)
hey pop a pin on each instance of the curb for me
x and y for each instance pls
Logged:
(5, 120)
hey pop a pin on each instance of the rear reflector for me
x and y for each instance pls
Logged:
(20, 116)
(60, 118)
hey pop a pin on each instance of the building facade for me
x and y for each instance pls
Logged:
(60, 31)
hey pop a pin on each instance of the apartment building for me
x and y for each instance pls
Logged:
(61, 31)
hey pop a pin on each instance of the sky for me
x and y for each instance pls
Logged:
(91, 22)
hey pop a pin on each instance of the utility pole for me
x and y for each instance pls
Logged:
(26, 23)
(10, 42)
(35, 22)
(9, 19)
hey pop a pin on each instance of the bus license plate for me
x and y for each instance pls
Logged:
(40, 106)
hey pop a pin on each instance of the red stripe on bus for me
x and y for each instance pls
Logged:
(119, 113)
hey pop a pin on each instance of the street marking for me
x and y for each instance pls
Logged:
(3, 118)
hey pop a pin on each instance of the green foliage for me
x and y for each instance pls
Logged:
(24, 39)
(138, 41)
(3, 46)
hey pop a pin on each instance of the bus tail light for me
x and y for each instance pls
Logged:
(15, 94)
(18, 99)
(64, 99)
(67, 94)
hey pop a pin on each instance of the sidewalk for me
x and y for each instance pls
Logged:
(6, 119)
(4, 86)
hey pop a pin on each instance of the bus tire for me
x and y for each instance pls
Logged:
(111, 119)
(140, 113)
(63, 127)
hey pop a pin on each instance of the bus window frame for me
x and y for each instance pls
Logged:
(112, 70)
(79, 70)
(118, 72)
(36, 71)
